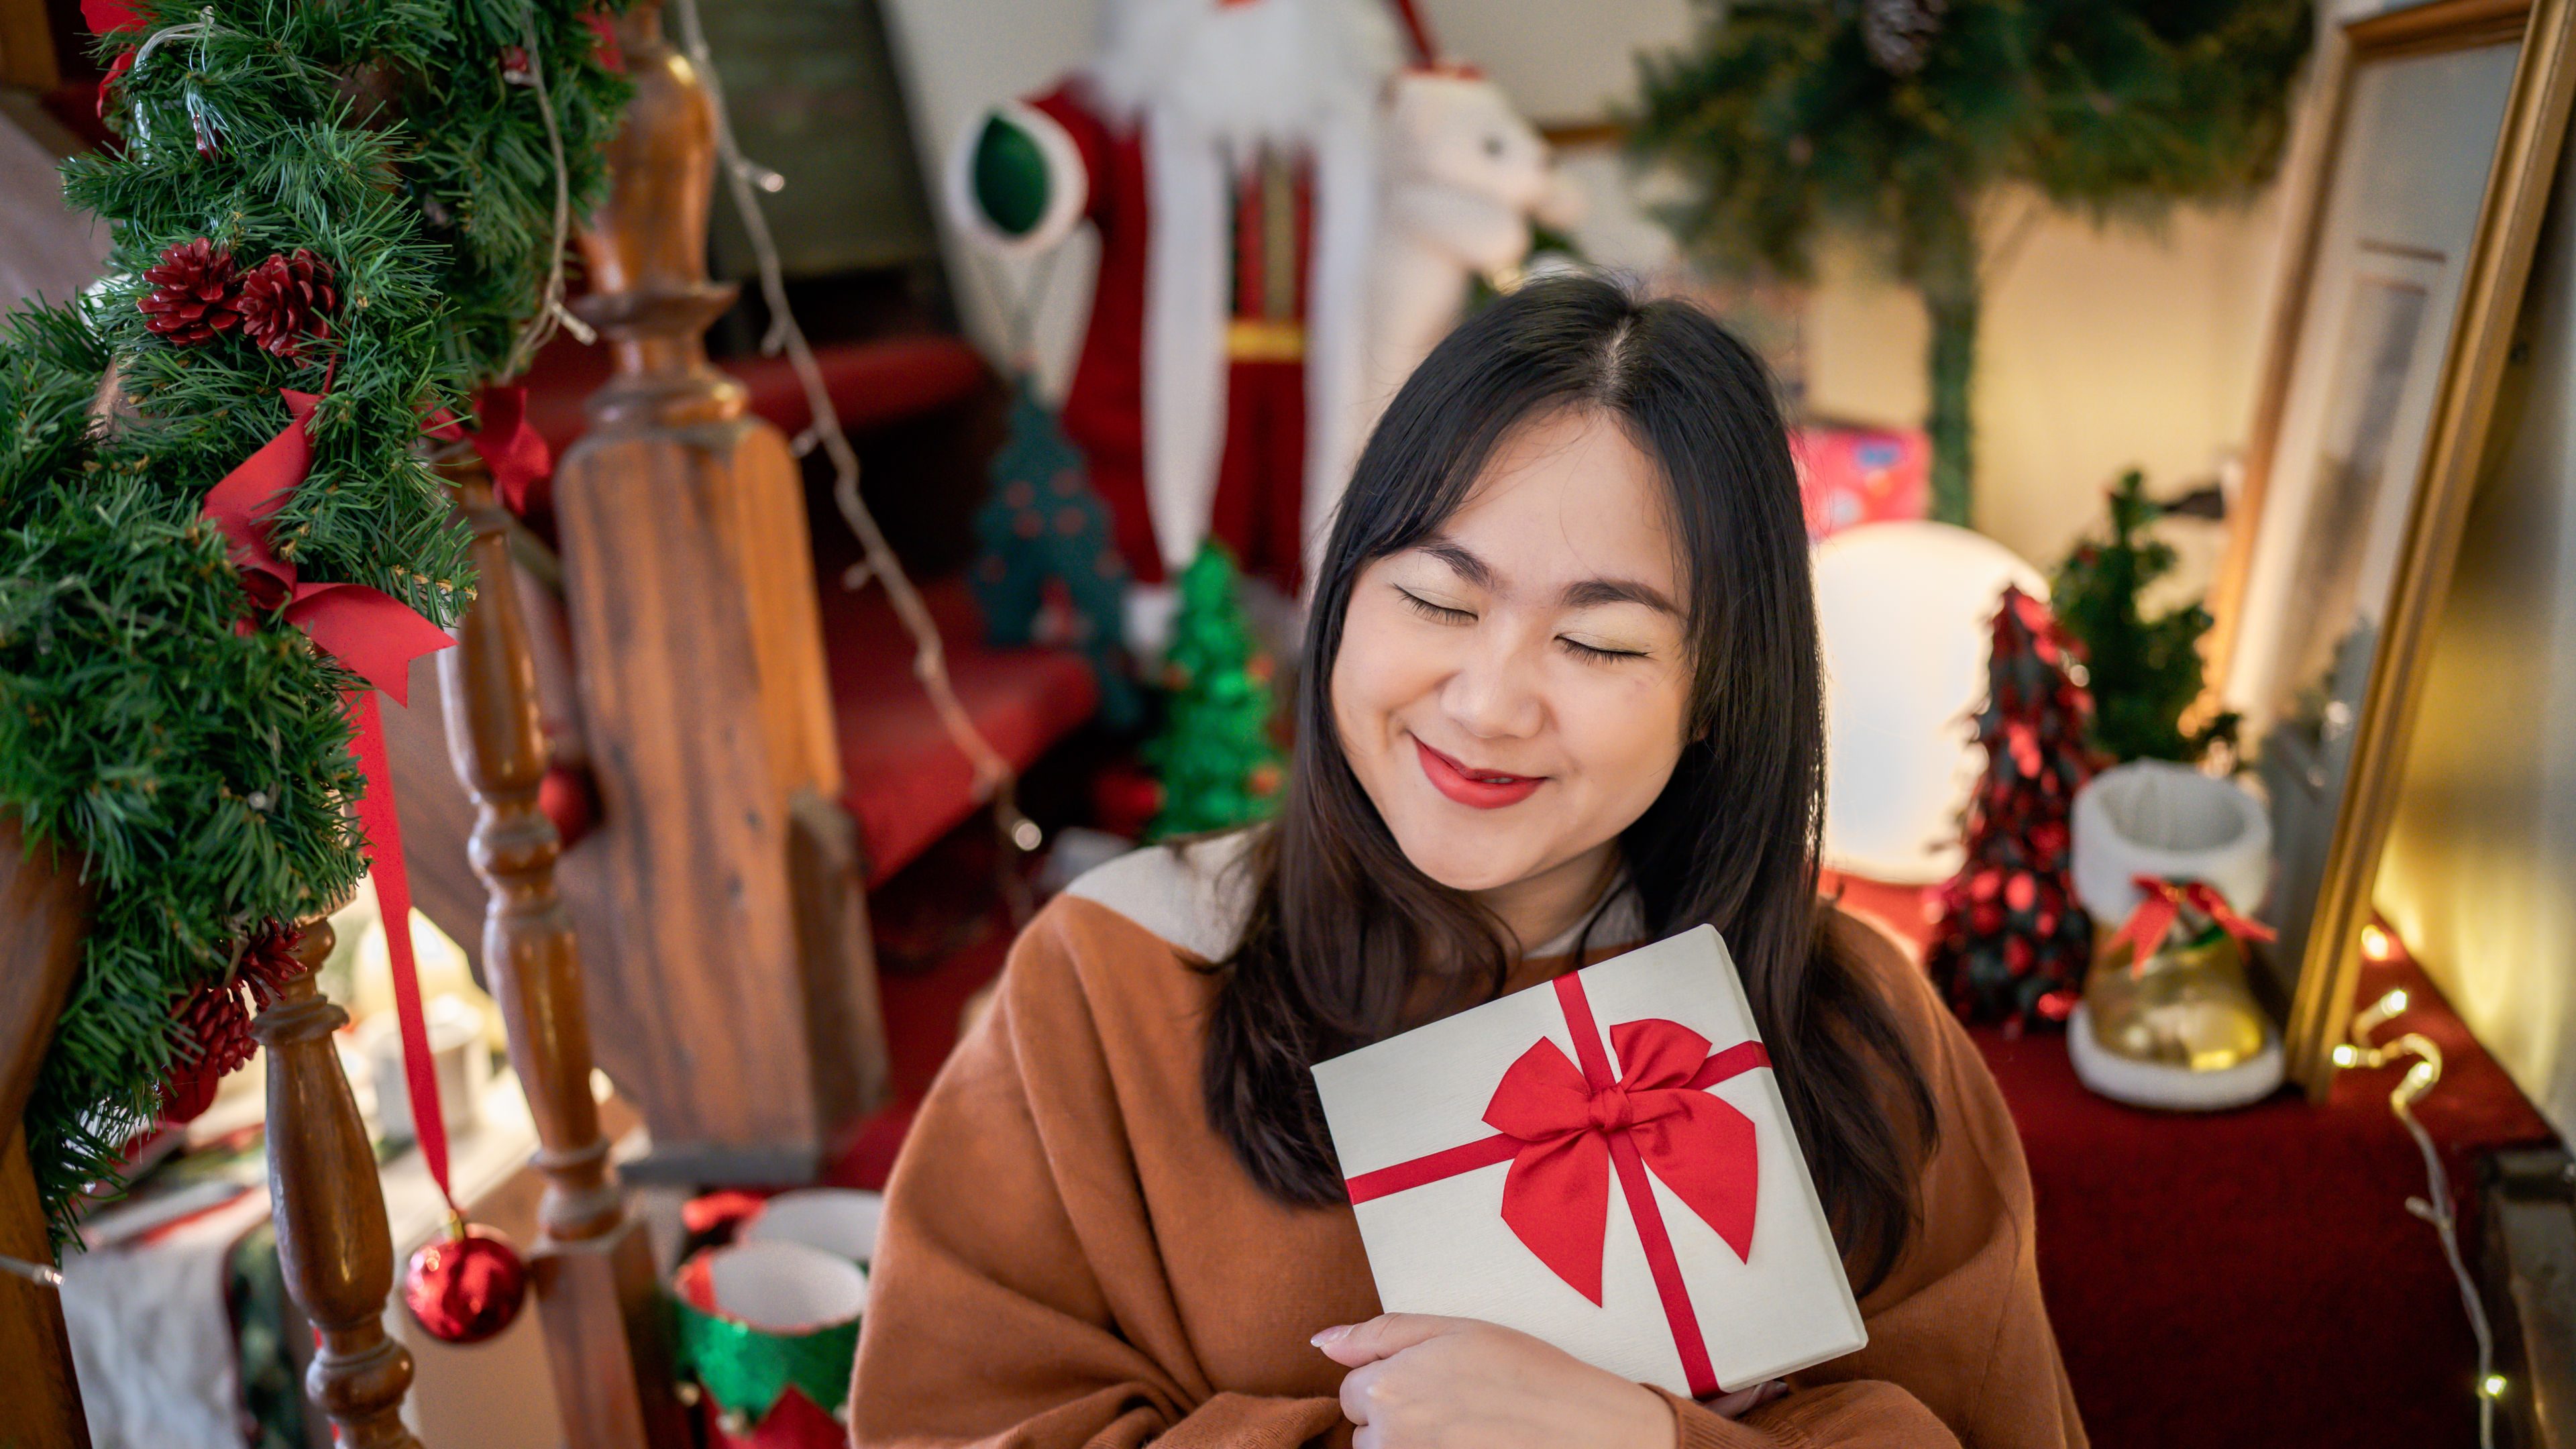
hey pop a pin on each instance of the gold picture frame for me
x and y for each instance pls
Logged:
(2402, 283)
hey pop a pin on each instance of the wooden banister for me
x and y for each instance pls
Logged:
(720, 903)
(44, 914)
(593, 1267)
(329, 1208)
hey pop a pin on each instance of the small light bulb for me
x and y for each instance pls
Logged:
(2344, 1055)
(2493, 1386)
(2393, 1003)
(2375, 943)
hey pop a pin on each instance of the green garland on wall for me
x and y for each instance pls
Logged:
(384, 175)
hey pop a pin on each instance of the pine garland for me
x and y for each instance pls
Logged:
(201, 773)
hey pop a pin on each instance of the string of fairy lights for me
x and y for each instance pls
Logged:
(995, 780)
(2436, 1206)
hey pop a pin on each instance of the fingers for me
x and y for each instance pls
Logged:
(1384, 1336)
(1744, 1401)
(1358, 1405)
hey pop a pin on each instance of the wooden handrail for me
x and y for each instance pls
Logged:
(44, 914)
(329, 1208)
(597, 1291)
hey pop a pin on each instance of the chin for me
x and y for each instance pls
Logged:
(1462, 860)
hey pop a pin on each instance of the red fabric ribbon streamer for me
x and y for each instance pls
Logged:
(393, 901)
(2161, 905)
(377, 636)
(514, 451)
(1565, 1131)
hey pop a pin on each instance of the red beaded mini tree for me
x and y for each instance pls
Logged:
(2012, 945)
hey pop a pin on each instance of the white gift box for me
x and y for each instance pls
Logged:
(1603, 1162)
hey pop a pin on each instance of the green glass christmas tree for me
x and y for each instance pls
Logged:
(1903, 123)
(1215, 758)
(2144, 673)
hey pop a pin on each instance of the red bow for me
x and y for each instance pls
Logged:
(105, 18)
(2161, 906)
(1557, 1196)
(514, 451)
(372, 632)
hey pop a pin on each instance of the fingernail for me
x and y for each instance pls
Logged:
(1329, 1335)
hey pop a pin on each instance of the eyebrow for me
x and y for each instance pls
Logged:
(1590, 593)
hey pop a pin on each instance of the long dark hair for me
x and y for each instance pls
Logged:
(1347, 943)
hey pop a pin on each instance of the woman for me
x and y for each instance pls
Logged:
(1561, 698)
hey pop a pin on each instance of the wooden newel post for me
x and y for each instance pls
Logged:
(329, 1208)
(720, 899)
(597, 1291)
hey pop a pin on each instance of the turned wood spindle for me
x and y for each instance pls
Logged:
(329, 1208)
(592, 1266)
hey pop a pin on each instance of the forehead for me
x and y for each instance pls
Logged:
(1569, 496)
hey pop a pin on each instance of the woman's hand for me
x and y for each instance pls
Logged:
(1420, 1382)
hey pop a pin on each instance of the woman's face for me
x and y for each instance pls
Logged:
(1511, 691)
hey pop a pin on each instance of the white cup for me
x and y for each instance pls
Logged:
(455, 1046)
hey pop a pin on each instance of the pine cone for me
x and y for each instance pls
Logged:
(217, 1022)
(192, 296)
(269, 962)
(287, 301)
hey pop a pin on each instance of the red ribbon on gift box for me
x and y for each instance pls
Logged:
(1565, 1130)
(2161, 905)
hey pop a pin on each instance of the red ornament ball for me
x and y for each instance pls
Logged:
(466, 1288)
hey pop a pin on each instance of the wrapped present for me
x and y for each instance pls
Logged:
(1848, 476)
(1603, 1162)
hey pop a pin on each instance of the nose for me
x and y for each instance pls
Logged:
(1494, 693)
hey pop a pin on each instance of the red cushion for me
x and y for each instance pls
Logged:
(908, 784)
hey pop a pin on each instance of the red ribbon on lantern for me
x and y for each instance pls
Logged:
(2161, 905)
(1565, 1131)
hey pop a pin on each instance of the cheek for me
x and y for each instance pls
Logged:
(1380, 668)
(1629, 734)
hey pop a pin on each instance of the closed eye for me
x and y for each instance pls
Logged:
(1430, 610)
(1598, 655)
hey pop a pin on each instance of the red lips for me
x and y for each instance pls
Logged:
(1480, 789)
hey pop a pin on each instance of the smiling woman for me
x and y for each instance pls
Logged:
(1561, 691)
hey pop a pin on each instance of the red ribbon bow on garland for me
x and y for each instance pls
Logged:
(1564, 1131)
(2161, 905)
(515, 451)
(377, 636)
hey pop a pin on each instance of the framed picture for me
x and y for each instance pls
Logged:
(2438, 133)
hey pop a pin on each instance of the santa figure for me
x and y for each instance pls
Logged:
(1229, 153)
